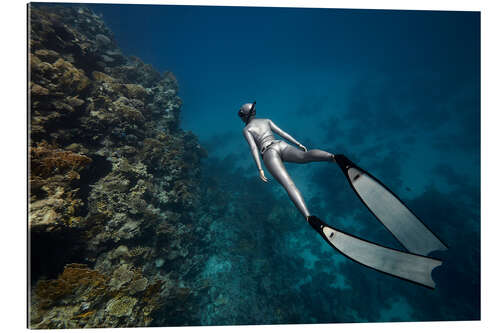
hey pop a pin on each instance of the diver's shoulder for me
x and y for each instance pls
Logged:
(247, 128)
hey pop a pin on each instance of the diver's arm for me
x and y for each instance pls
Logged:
(255, 152)
(284, 134)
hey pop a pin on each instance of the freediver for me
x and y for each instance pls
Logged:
(409, 230)
(259, 134)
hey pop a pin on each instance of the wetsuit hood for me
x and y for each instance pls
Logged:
(247, 111)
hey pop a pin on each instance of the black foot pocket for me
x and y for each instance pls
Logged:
(315, 222)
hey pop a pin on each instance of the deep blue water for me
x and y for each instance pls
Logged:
(396, 91)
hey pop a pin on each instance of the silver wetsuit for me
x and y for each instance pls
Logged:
(259, 134)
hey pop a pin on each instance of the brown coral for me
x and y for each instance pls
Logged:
(71, 78)
(102, 77)
(47, 160)
(82, 297)
(75, 279)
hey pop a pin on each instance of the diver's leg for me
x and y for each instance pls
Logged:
(275, 166)
(294, 155)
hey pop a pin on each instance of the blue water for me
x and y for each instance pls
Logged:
(396, 91)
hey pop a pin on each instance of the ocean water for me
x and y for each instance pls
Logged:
(398, 92)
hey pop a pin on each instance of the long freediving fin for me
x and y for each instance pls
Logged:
(408, 229)
(403, 265)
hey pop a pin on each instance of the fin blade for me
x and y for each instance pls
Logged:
(408, 229)
(403, 265)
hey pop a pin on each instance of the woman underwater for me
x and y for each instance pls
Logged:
(409, 230)
(259, 134)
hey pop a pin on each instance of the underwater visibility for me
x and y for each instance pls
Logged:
(160, 195)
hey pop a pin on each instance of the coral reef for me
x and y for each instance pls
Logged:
(82, 297)
(113, 181)
(54, 199)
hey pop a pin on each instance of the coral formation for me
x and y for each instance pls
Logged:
(121, 307)
(82, 297)
(113, 181)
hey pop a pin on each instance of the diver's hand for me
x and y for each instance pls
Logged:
(302, 147)
(262, 176)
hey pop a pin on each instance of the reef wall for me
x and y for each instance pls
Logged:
(113, 182)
